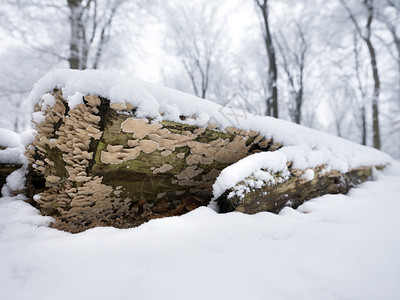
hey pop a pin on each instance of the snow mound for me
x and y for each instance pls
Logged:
(14, 182)
(304, 147)
(9, 138)
(253, 164)
(13, 152)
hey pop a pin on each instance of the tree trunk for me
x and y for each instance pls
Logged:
(396, 41)
(272, 102)
(375, 98)
(299, 104)
(74, 45)
(364, 126)
(362, 92)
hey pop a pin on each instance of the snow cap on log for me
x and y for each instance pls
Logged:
(149, 100)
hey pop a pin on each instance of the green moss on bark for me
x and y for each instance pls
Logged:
(55, 155)
(178, 128)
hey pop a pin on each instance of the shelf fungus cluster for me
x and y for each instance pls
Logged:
(96, 164)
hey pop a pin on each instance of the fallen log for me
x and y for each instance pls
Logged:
(99, 159)
(97, 164)
(292, 190)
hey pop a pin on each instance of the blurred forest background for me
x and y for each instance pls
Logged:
(330, 65)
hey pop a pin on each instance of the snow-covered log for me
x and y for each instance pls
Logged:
(254, 184)
(110, 150)
(98, 164)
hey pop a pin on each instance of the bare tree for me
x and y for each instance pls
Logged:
(342, 99)
(294, 63)
(366, 34)
(90, 25)
(361, 89)
(272, 100)
(40, 35)
(392, 23)
(20, 68)
(194, 35)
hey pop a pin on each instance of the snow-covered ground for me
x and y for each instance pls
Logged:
(332, 247)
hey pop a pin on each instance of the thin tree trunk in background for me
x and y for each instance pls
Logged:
(103, 35)
(293, 63)
(272, 101)
(362, 91)
(396, 41)
(396, 37)
(73, 59)
(299, 102)
(301, 63)
(99, 51)
(375, 98)
(366, 36)
(369, 4)
(364, 126)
